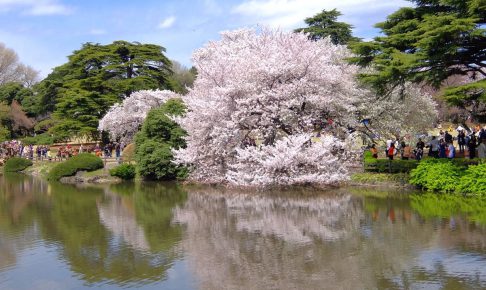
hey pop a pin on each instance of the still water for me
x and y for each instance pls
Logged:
(164, 236)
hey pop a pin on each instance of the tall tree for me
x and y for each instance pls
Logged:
(96, 77)
(325, 24)
(20, 93)
(429, 43)
(183, 77)
(12, 70)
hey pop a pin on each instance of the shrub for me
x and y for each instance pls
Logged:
(436, 175)
(154, 143)
(473, 181)
(124, 171)
(81, 162)
(40, 139)
(128, 154)
(387, 166)
(16, 164)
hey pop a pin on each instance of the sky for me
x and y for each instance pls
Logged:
(45, 32)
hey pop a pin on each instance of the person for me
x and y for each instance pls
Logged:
(388, 144)
(447, 137)
(482, 149)
(81, 149)
(419, 151)
(461, 140)
(406, 152)
(472, 146)
(117, 152)
(374, 151)
(434, 147)
(391, 151)
(442, 149)
(482, 135)
(451, 153)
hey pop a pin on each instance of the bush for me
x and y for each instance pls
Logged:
(473, 181)
(81, 162)
(124, 171)
(17, 164)
(40, 139)
(436, 175)
(387, 166)
(128, 154)
(154, 143)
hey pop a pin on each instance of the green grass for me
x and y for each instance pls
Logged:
(380, 178)
(16, 164)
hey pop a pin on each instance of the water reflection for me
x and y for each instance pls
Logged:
(104, 237)
(317, 241)
(145, 235)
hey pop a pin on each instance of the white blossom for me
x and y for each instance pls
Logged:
(124, 120)
(269, 88)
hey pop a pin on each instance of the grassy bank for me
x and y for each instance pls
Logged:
(380, 179)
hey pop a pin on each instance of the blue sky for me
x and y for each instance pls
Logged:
(45, 32)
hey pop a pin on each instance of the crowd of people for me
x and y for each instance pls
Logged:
(16, 148)
(472, 144)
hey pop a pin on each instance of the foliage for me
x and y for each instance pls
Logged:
(18, 92)
(183, 78)
(156, 140)
(325, 24)
(16, 164)
(123, 120)
(428, 43)
(97, 76)
(436, 175)
(473, 181)
(390, 166)
(445, 205)
(39, 139)
(44, 125)
(81, 162)
(128, 154)
(4, 133)
(124, 171)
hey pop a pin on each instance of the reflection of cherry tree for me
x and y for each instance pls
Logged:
(258, 241)
(119, 218)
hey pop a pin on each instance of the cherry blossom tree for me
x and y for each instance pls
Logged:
(253, 107)
(258, 100)
(124, 120)
(407, 111)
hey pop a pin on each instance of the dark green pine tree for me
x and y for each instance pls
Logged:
(80, 92)
(429, 43)
(325, 24)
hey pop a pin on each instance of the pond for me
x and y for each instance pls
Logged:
(165, 236)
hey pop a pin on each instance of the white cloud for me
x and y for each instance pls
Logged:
(290, 13)
(35, 7)
(168, 22)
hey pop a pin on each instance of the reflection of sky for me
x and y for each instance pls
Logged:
(39, 268)
(438, 265)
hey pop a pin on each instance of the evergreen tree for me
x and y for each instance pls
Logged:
(325, 24)
(80, 92)
(429, 43)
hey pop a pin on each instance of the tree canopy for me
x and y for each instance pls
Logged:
(325, 24)
(97, 76)
(427, 44)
